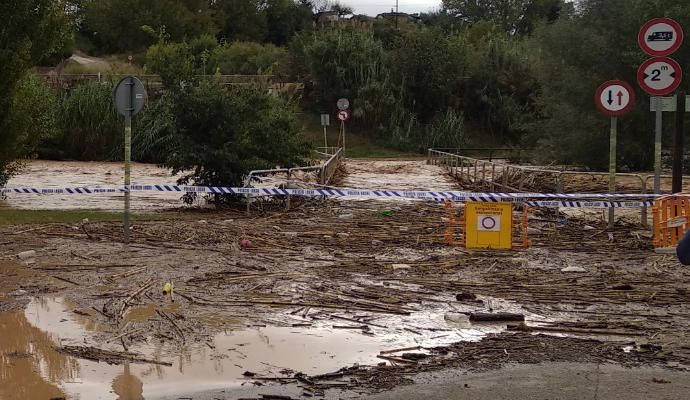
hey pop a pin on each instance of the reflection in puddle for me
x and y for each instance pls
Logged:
(267, 351)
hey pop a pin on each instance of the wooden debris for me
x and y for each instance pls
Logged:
(111, 357)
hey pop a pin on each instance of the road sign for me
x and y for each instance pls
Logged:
(669, 104)
(615, 98)
(343, 115)
(659, 76)
(488, 223)
(343, 104)
(325, 120)
(660, 37)
(130, 96)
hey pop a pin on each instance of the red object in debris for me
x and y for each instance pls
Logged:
(246, 244)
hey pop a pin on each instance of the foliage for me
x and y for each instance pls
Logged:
(125, 25)
(512, 16)
(174, 62)
(249, 58)
(91, 128)
(223, 134)
(31, 31)
(340, 62)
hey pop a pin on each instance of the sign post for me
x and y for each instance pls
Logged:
(614, 98)
(130, 98)
(659, 75)
(343, 115)
(325, 122)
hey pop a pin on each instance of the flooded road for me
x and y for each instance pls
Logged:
(395, 174)
(55, 174)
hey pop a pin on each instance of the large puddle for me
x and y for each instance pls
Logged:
(30, 367)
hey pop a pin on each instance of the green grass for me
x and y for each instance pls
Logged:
(357, 144)
(19, 217)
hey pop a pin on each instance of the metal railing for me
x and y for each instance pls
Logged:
(326, 171)
(491, 175)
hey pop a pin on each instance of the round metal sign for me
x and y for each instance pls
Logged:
(615, 98)
(343, 104)
(660, 37)
(659, 76)
(130, 96)
(343, 115)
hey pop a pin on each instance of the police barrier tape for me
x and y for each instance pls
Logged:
(556, 199)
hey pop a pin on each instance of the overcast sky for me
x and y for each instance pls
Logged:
(374, 7)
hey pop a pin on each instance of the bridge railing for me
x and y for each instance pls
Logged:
(325, 171)
(490, 175)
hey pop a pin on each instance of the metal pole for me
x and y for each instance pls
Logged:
(342, 127)
(612, 166)
(678, 145)
(128, 170)
(325, 140)
(657, 146)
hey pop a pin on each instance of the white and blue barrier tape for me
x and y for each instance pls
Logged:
(577, 200)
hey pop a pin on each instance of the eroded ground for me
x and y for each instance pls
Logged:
(334, 298)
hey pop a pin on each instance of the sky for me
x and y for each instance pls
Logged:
(374, 7)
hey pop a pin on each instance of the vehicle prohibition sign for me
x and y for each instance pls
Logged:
(659, 76)
(660, 37)
(343, 115)
(615, 98)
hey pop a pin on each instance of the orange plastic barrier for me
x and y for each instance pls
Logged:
(671, 216)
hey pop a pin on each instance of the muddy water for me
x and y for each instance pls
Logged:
(392, 174)
(31, 368)
(56, 174)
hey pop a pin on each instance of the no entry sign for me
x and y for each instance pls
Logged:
(343, 115)
(660, 37)
(659, 76)
(488, 223)
(615, 98)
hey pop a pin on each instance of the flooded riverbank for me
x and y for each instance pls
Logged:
(59, 174)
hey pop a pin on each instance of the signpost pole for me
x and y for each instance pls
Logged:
(325, 139)
(657, 145)
(678, 145)
(128, 171)
(612, 165)
(342, 127)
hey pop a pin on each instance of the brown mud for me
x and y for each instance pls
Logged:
(329, 296)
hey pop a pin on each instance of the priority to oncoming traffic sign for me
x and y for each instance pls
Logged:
(659, 76)
(615, 98)
(660, 37)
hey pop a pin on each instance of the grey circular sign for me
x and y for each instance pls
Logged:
(343, 104)
(130, 96)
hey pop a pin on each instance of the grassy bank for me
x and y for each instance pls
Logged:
(357, 144)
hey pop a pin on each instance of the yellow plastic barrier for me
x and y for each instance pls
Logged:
(487, 226)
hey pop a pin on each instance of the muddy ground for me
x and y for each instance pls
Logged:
(333, 298)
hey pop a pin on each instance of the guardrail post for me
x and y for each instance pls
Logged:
(643, 211)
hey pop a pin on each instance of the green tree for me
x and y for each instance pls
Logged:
(121, 25)
(249, 58)
(241, 20)
(285, 18)
(32, 30)
(513, 16)
(215, 135)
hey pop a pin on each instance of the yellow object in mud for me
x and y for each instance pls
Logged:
(167, 288)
